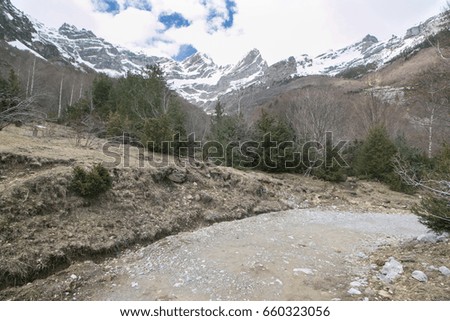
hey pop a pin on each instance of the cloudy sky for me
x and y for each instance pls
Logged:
(227, 29)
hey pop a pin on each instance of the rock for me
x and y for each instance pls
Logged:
(302, 270)
(134, 285)
(356, 284)
(442, 238)
(391, 270)
(35, 163)
(419, 276)
(177, 177)
(213, 216)
(444, 270)
(361, 255)
(428, 238)
(267, 207)
(354, 291)
(74, 277)
(369, 291)
(205, 198)
(170, 173)
(384, 294)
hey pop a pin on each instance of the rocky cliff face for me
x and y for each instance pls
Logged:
(198, 78)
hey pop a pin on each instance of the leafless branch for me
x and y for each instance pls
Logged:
(20, 110)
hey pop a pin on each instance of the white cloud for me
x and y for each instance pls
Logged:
(278, 28)
(131, 27)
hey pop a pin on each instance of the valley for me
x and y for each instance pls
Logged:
(131, 176)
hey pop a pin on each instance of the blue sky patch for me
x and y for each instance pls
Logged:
(184, 52)
(110, 6)
(231, 7)
(138, 4)
(174, 20)
(227, 18)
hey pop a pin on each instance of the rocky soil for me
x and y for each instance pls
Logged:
(53, 243)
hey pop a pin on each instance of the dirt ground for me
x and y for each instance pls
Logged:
(52, 243)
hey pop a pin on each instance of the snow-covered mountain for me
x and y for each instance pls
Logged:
(198, 78)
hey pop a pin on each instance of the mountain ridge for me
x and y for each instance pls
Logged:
(198, 78)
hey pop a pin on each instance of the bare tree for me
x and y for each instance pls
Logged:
(60, 98)
(313, 112)
(431, 92)
(33, 72)
(20, 111)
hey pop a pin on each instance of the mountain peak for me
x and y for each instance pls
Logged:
(370, 38)
(74, 33)
(198, 58)
(253, 53)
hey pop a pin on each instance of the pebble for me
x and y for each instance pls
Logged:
(419, 276)
(444, 270)
(369, 291)
(384, 294)
(134, 284)
(355, 284)
(306, 271)
(354, 291)
(361, 255)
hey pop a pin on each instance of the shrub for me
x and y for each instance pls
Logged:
(434, 212)
(374, 158)
(434, 209)
(91, 184)
(330, 170)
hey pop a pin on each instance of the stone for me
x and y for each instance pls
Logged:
(206, 198)
(134, 285)
(354, 291)
(384, 294)
(177, 177)
(361, 255)
(428, 238)
(391, 270)
(419, 276)
(442, 238)
(444, 270)
(302, 270)
(355, 284)
(369, 291)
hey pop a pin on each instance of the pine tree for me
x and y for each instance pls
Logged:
(374, 160)
(271, 132)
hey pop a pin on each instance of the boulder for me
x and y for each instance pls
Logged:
(391, 270)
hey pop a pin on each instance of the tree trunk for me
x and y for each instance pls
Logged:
(32, 77)
(60, 98)
(430, 134)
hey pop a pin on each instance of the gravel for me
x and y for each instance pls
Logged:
(293, 255)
